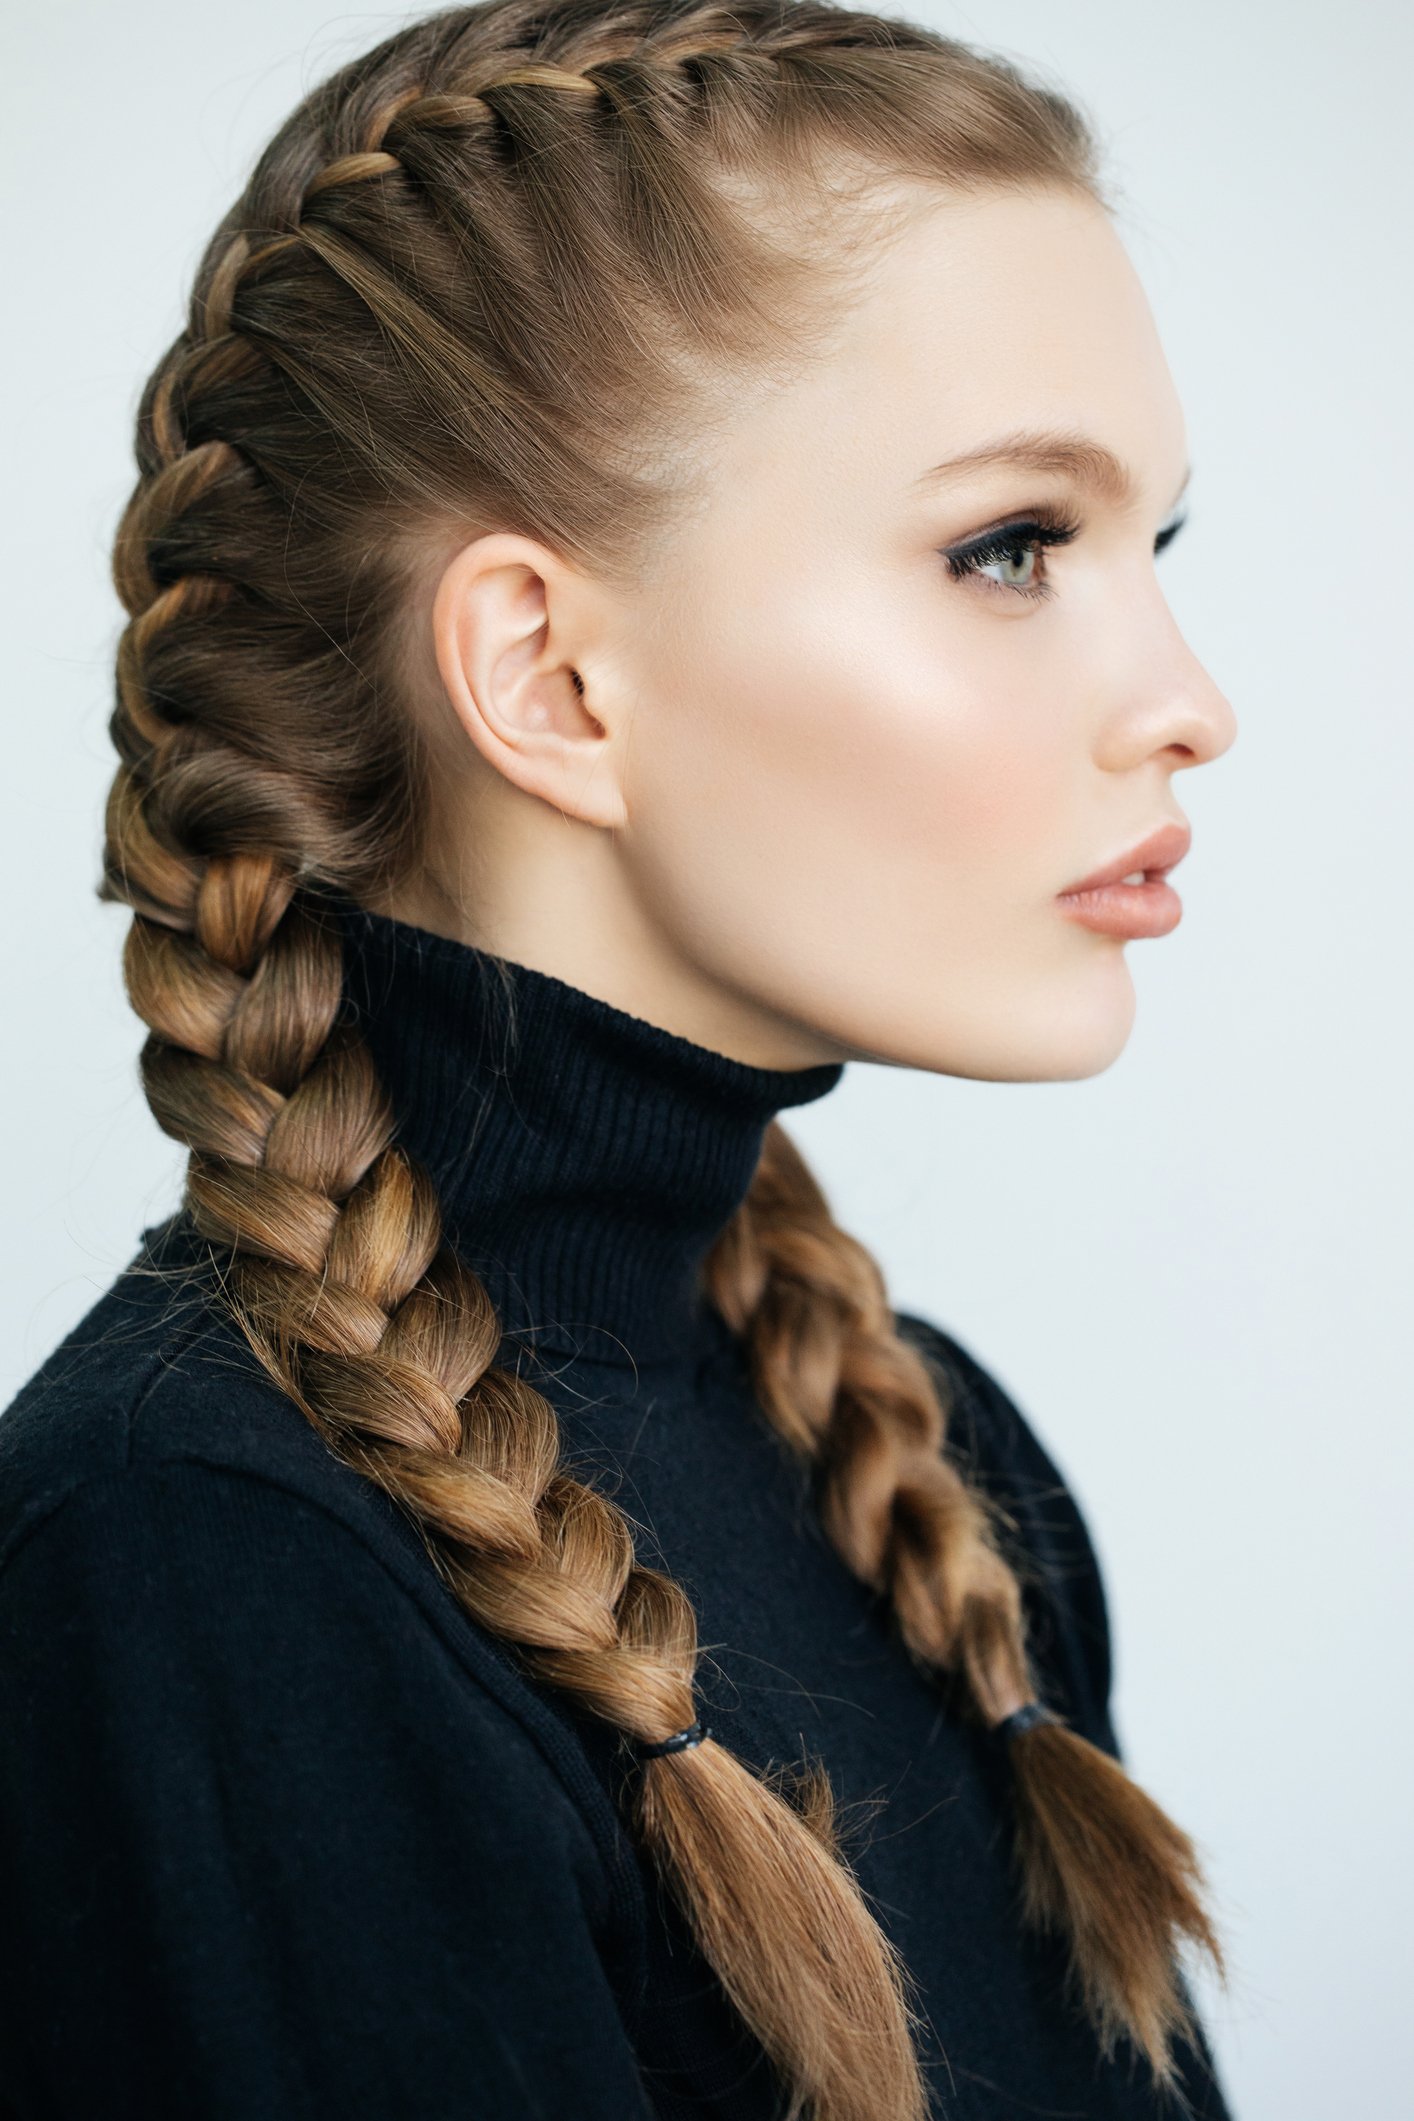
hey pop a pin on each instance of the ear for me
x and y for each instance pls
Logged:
(502, 620)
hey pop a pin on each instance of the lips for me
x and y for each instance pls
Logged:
(1156, 855)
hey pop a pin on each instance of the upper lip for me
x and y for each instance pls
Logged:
(1162, 851)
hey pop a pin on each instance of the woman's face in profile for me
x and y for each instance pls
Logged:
(867, 750)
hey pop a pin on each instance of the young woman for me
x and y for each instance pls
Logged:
(641, 592)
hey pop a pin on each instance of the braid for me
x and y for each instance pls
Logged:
(860, 1407)
(484, 272)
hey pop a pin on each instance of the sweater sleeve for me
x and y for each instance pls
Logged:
(265, 1847)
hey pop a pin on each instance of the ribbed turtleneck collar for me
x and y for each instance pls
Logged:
(585, 1159)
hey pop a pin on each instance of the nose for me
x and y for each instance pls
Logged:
(1175, 707)
(1205, 724)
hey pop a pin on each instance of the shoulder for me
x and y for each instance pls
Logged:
(156, 1374)
(276, 1811)
(985, 1422)
(161, 1498)
(1047, 1536)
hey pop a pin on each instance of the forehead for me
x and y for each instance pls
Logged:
(997, 314)
(1038, 281)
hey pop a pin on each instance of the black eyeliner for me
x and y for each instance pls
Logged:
(1042, 527)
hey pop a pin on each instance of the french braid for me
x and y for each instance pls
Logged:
(482, 271)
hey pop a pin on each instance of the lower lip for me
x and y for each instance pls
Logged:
(1152, 908)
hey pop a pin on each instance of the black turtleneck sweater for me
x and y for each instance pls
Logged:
(284, 1833)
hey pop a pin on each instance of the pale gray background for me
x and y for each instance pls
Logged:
(1193, 1270)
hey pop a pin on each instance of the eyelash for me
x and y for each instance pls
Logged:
(1043, 527)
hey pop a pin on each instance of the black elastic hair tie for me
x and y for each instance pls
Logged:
(1022, 1719)
(678, 1743)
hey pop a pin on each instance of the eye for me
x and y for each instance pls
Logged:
(1169, 532)
(1008, 560)
(1017, 567)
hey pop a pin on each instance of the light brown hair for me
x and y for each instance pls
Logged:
(504, 271)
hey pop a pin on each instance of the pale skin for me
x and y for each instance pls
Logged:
(818, 796)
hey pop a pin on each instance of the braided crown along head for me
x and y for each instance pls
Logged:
(508, 269)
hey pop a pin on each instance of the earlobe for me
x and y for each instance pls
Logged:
(522, 705)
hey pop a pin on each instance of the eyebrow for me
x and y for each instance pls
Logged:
(1088, 462)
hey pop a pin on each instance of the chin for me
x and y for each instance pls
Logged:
(1022, 1022)
(1070, 1029)
(1060, 1034)
(1090, 1025)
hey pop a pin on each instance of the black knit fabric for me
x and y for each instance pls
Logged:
(584, 1159)
(283, 1833)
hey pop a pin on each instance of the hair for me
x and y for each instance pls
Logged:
(506, 270)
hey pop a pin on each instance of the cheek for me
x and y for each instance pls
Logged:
(821, 779)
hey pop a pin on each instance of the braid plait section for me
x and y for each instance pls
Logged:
(1098, 1861)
